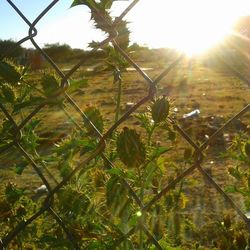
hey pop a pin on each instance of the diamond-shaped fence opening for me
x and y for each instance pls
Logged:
(58, 100)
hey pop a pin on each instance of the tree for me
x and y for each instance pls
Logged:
(58, 52)
(10, 49)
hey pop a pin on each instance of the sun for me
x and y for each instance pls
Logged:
(201, 25)
(191, 26)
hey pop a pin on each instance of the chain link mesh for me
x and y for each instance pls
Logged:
(100, 149)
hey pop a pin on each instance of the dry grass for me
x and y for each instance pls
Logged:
(189, 86)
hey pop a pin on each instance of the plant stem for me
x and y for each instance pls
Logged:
(118, 101)
(118, 80)
(141, 183)
(150, 134)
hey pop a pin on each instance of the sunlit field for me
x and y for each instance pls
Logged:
(208, 87)
(215, 92)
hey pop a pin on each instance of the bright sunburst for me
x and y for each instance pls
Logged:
(191, 26)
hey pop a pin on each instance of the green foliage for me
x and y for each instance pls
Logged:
(114, 60)
(130, 148)
(77, 84)
(49, 85)
(6, 130)
(103, 4)
(27, 101)
(146, 122)
(69, 149)
(58, 52)
(98, 204)
(30, 138)
(8, 93)
(99, 12)
(230, 237)
(14, 50)
(19, 167)
(235, 173)
(9, 72)
(241, 174)
(94, 116)
(123, 35)
(89, 3)
(160, 109)
(73, 201)
(118, 200)
(12, 193)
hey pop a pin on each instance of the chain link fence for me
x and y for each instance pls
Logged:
(103, 138)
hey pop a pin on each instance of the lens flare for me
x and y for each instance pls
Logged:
(190, 26)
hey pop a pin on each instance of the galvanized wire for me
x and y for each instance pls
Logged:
(100, 149)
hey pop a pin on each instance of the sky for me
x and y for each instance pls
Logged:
(155, 23)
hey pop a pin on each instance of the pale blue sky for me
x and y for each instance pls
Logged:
(11, 23)
(12, 26)
(61, 24)
(156, 23)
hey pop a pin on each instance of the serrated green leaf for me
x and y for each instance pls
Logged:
(12, 193)
(157, 152)
(8, 93)
(34, 100)
(134, 220)
(130, 148)
(73, 200)
(89, 3)
(19, 168)
(77, 84)
(87, 146)
(150, 172)
(94, 115)
(160, 109)
(107, 3)
(161, 163)
(123, 35)
(30, 138)
(117, 198)
(32, 125)
(235, 173)
(65, 169)
(145, 121)
(231, 189)
(9, 73)
(49, 85)
(76, 145)
(115, 171)
(7, 128)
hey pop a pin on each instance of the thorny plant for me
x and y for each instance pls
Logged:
(113, 190)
